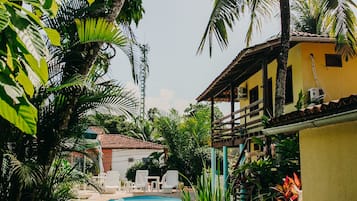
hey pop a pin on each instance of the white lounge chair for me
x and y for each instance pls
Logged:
(141, 180)
(169, 181)
(111, 182)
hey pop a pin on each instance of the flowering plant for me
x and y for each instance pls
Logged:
(290, 190)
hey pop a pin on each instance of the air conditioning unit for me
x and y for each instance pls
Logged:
(242, 92)
(315, 95)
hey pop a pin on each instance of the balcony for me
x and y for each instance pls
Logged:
(234, 128)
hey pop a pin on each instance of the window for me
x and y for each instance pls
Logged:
(130, 160)
(256, 147)
(333, 60)
(289, 96)
(253, 96)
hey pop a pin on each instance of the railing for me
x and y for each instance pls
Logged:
(240, 122)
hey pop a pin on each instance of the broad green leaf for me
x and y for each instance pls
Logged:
(76, 80)
(31, 16)
(90, 2)
(43, 72)
(31, 61)
(51, 6)
(54, 36)
(39, 68)
(25, 82)
(22, 115)
(4, 18)
(29, 35)
(99, 30)
(9, 61)
(13, 92)
(2, 66)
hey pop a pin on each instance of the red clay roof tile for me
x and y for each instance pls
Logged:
(117, 141)
(316, 111)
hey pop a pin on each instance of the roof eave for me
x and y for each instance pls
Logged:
(318, 122)
(205, 95)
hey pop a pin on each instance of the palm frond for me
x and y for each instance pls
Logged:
(224, 13)
(24, 172)
(259, 9)
(307, 16)
(107, 96)
(342, 25)
(99, 30)
(131, 50)
(4, 18)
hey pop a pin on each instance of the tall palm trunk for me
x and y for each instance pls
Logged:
(282, 58)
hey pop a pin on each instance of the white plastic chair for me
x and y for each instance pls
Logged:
(111, 182)
(141, 180)
(169, 181)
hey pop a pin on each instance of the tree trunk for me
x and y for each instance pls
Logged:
(282, 58)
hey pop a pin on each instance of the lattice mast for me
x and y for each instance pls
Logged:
(144, 71)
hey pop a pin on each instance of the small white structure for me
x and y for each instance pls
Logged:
(120, 152)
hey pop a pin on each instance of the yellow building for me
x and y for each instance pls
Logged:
(328, 132)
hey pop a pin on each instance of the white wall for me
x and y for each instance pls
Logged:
(120, 158)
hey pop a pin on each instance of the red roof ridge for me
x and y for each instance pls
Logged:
(120, 141)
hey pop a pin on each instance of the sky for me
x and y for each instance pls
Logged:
(173, 31)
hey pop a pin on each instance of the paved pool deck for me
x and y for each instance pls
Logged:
(92, 195)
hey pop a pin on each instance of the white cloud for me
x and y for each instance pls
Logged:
(164, 102)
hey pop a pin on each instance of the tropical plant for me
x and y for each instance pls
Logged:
(144, 129)
(307, 16)
(187, 139)
(258, 176)
(204, 190)
(301, 100)
(328, 17)
(72, 90)
(290, 190)
(225, 13)
(114, 124)
(36, 183)
(23, 54)
(153, 113)
(52, 142)
(255, 178)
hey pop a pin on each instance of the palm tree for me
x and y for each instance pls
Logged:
(313, 17)
(342, 25)
(307, 16)
(68, 95)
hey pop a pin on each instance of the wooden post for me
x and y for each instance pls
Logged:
(265, 87)
(232, 108)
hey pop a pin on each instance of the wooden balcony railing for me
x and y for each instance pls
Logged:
(239, 123)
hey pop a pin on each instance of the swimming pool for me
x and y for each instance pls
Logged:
(148, 198)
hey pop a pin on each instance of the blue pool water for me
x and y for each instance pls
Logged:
(148, 198)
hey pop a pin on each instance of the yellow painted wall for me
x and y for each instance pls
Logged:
(256, 79)
(329, 162)
(336, 82)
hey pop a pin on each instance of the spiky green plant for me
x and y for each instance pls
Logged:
(204, 190)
